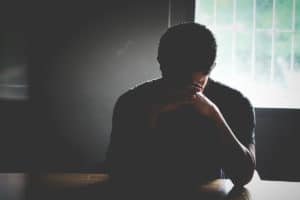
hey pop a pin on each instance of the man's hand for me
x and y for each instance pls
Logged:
(173, 98)
(170, 99)
(203, 104)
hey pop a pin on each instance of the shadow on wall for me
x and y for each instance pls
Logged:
(81, 57)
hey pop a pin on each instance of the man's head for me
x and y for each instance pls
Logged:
(186, 49)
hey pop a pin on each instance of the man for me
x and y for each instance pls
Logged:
(184, 128)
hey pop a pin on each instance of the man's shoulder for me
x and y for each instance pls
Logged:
(220, 91)
(141, 90)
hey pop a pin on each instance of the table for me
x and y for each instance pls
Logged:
(21, 186)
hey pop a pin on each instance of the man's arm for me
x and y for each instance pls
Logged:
(238, 160)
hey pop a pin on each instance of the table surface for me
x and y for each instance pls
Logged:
(19, 186)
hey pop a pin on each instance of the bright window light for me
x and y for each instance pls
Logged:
(258, 48)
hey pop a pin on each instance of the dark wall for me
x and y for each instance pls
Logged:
(93, 54)
(80, 57)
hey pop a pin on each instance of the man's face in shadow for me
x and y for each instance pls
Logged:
(184, 71)
(198, 79)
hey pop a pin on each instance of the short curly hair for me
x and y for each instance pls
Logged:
(187, 48)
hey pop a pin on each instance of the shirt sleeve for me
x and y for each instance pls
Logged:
(244, 127)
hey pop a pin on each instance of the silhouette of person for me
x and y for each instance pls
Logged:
(184, 128)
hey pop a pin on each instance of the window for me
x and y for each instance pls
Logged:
(258, 47)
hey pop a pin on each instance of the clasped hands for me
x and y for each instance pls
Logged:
(175, 97)
(187, 95)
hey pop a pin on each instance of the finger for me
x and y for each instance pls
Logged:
(183, 89)
(196, 84)
(198, 87)
(191, 89)
(181, 93)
